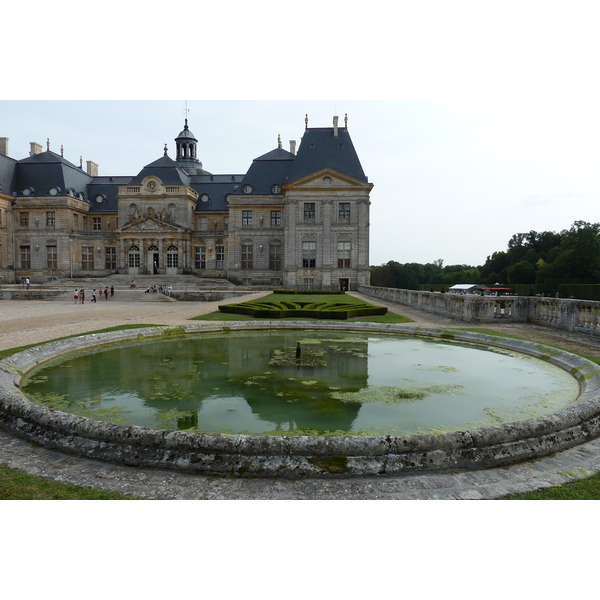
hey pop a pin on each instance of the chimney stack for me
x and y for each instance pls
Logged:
(4, 146)
(35, 148)
(92, 168)
(293, 146)
(335, 126)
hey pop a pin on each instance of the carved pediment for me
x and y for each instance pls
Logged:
(328, 179)
(149, 224)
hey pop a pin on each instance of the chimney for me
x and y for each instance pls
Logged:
(4, 146)
(335, 126)
(35, 148)
(92, 168)
(293, 146)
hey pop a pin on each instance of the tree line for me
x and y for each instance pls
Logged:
(548, 258)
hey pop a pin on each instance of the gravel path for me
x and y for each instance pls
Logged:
(27, 322)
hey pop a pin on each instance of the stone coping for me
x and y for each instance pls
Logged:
(301, 456)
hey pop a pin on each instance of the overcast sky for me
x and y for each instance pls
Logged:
(472, 123)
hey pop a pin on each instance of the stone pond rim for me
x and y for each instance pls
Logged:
(301, 456)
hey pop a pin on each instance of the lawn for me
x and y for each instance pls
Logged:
(333, 298)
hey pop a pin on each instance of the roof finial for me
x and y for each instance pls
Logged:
(185, 113)
(306, 122)
(279, 140)
(48, 143)
(80, 161)
(62, 151)
(165, 150)
(346, 120)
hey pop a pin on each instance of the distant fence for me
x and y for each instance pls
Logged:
(581, 316)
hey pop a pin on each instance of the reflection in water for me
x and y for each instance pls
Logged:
(301, 383)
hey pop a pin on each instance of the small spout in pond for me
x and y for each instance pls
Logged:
(298, 351)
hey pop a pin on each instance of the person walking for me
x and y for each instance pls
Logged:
(112, 291)
(76, 296)
(82, 296)
(94, 295)
(106, 293)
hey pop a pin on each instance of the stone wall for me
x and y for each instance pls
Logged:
(581, 316)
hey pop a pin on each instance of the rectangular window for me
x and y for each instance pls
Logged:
(50, 219)
(220, 251)
(24, 219)
(247, 256)
(51, 257)
(200, 262)
(344, 249)
(87, 258)
(134, 259)
(309, 283)
(309, 211)
(275, 218)
(85, 223)
(25, 257)
(246, 218)
(97, 223)
(344, 211)
(275, 257)
(309, 255)
(202, 223)
(111, 258)
(75, 222)
(172, 259)
(226, 223)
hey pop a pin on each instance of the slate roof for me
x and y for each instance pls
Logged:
(166, 169)
(218, 187)
(319, 149)
(46, 170)
(109, 188)
(268, 169)
(7, 169)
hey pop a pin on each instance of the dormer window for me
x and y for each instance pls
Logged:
(247, 189)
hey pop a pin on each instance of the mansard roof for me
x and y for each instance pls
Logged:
(320, 148)
(166, 169)
(269, 169)
(7, 169)
(43, 171)
(217, 188)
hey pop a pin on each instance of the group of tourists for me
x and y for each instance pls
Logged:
(79, 295)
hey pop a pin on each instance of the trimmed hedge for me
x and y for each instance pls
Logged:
(308, 310)
(311, 292)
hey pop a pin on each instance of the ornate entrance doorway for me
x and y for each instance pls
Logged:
(153, 260)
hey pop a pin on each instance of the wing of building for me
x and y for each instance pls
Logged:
(294, 219)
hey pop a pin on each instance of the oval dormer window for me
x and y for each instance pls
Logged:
(54, 191)
(205, 197)
(247, 189)
(276, 188)
(28, 191)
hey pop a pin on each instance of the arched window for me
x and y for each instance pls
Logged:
(173, 212)
(134, 256)
(172, 256)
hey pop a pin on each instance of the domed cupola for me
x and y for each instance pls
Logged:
(187, 144)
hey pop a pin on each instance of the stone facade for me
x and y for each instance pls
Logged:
(296, 220)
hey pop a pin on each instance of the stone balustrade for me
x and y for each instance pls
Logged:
(581, 316)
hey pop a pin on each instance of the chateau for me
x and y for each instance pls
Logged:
(296, 219)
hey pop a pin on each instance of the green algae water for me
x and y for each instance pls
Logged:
(301, 383)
